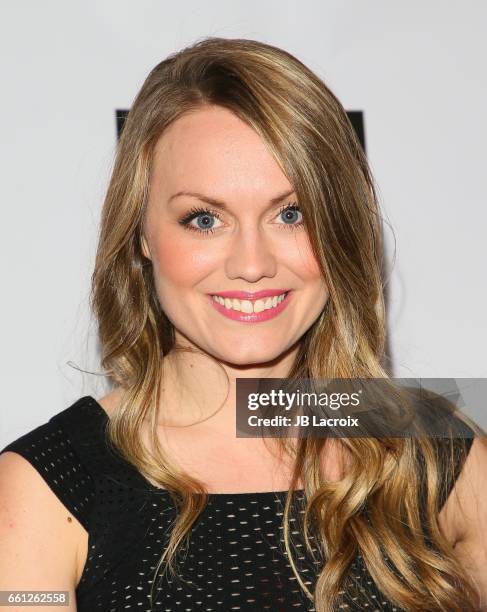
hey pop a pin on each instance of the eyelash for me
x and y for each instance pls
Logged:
(196, 212)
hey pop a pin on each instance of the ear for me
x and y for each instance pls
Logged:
(145, 247)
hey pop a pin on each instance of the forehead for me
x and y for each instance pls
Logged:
(212, 149)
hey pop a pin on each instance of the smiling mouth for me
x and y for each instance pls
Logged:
(250, 306)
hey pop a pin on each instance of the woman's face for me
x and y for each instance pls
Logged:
(216, 223)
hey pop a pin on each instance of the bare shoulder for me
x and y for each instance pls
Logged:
(39, 538)
(469, 495)
(110, 401)
(464, 516)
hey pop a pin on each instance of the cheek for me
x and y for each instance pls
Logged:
(181, 263)
(301, 259)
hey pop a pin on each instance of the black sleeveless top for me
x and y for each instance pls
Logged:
(235, 559)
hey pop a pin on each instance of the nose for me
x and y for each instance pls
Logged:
(250, 256)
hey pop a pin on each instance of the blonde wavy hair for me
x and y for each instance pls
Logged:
(309, 134)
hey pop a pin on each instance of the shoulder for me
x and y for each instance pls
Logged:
(26, 501)
(464, 515)
(468, 492)
(54, 454)
(47, 494)
(111, 401)
(36, 530)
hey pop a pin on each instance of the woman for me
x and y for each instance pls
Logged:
(240, 238)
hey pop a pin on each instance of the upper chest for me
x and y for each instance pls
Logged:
(226, 464)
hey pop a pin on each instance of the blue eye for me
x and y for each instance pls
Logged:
(290, 213)
(205, 219)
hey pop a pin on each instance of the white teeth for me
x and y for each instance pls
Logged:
(247, 306)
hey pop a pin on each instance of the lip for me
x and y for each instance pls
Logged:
(254, 317)
(247, 295)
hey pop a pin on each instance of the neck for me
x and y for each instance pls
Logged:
(200, 391)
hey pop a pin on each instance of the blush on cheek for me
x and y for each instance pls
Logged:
(182, 263)
(309, 261)
(172, 266)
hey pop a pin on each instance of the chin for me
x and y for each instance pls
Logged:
(248, 355)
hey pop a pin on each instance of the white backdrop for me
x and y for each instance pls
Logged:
(417, 71)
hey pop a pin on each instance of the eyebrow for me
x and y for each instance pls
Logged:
(219, 204)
